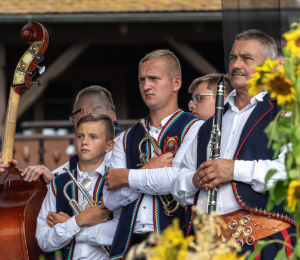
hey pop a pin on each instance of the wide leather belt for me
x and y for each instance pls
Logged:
(246, 227)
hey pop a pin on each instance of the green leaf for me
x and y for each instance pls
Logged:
(281, 255)
(259, 247)
(297, 250)
(269, 175)
(293, 174)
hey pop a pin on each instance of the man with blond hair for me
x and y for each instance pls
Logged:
(137, 188)
(203, 92)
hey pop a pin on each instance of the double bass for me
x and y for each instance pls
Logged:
(20, 201)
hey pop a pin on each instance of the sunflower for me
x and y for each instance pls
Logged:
(228, 256)
(267, 66)
(254, 84)
(293, 194)
(293, 42)
(280, 86)
(297, 70)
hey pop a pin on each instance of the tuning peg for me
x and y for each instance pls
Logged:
(41, 69)
(38, 58)
(38, 82)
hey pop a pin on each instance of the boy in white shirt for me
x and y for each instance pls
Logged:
(81, 236)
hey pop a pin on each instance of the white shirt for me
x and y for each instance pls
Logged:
(148, 181)
(250, 172)
(87, 238)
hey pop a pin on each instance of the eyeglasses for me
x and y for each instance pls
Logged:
(72, 115)
(197, 98)
(190, 109)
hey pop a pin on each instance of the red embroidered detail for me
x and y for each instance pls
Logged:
(171, 145)
(287, 239)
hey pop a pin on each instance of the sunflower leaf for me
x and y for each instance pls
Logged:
(259, 247)
(269, 175)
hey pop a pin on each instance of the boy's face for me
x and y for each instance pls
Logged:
(90, 142)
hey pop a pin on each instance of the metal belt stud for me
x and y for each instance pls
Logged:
(239, 243)
(250, 240)
(247, 230)
(236, 233)
(245, 220)
(232, 224)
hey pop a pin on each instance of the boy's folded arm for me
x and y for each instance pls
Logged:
(102, 234)
(51, 239)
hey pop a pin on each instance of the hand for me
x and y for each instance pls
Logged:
(93, 215)
(54, 218)
(32, 173)
(213, 173)
(161, 161)
(116, 178)
(2, 166)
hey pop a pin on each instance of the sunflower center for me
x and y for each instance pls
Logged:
(280, 86)
(297, 192)
(297, 42)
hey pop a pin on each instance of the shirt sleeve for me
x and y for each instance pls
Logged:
(102, 234)
(60, 169)
(158, 181)
(182, 187)
(254, 172)
(118, 198)
(51, 239)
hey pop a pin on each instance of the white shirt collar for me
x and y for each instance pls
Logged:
(96, 173)
(164, 121)
(231, 100)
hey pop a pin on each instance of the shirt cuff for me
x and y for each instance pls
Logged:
(135, 180)
(243, 171)
(72, 227)
(189, 184)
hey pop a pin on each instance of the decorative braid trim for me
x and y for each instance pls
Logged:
(133, 217)
(260, 211)
(170, 122)
(54, 187)
(156, 217)
(125, 139)
(187, 128)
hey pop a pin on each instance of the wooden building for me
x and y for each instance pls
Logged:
(100, 42)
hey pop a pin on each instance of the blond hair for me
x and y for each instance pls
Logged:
(173, 68)
(212, 80)
(109, 129)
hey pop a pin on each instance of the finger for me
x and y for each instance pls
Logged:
(208, 178)
(205, 172)
(14, 163)
(212, 185)
(204, 165)
(105, 182)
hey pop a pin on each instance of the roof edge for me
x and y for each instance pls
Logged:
(211, 16)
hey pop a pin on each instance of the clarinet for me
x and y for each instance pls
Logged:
(215, 141)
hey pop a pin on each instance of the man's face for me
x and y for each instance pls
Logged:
(206, 107)
(90, 142)
(171, 144)
(243, 56)
(157, 89)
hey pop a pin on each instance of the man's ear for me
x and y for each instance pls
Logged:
(177, 83)
(84, 111)
(109, 146)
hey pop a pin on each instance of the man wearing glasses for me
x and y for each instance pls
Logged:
(203, 92)
(90, 99)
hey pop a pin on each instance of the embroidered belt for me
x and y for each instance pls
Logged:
(246, 227)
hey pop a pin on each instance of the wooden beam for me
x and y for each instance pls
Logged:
(3, 100)
(55, 69)
(197, 61)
